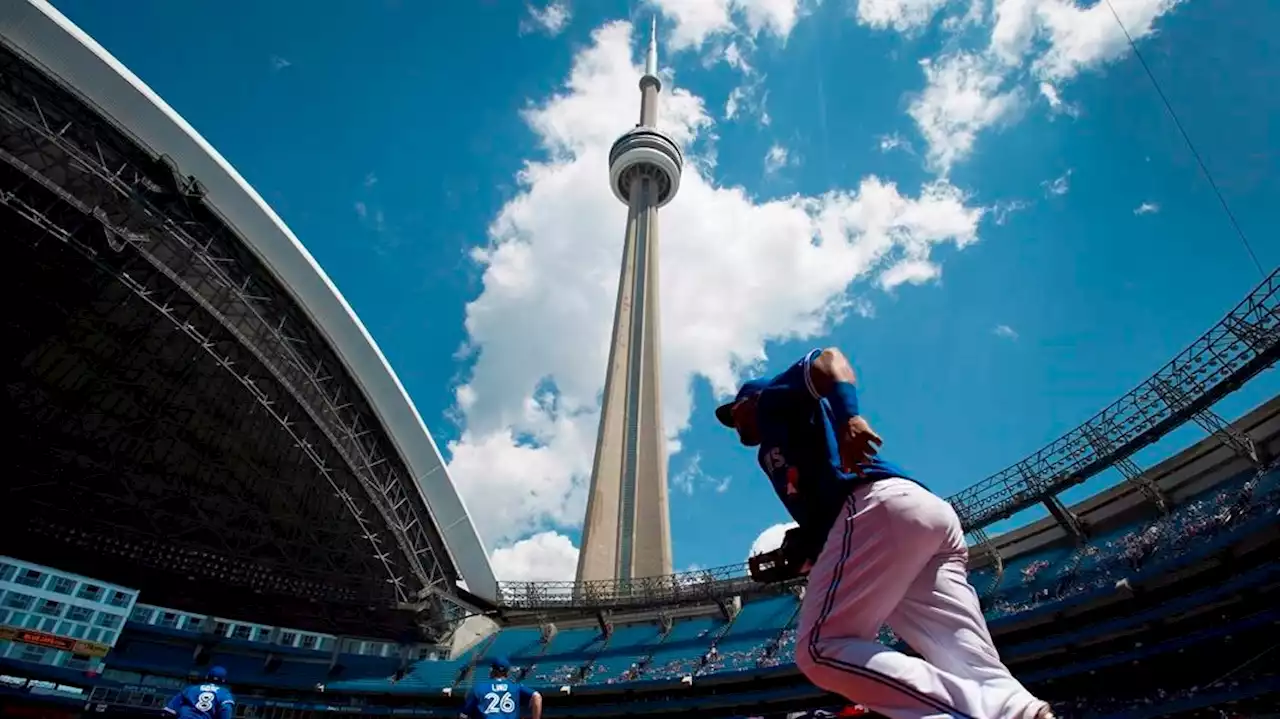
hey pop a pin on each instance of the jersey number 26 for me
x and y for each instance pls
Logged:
(499, 703)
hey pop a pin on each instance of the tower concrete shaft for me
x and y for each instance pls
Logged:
(627, 530)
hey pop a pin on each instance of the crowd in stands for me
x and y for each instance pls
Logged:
(1190, 529)
(1134, 705)
(763, 633)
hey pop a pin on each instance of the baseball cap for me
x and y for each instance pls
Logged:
(217, 673)
(500, 663)
(724, 412)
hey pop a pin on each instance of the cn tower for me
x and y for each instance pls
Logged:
(627, 532)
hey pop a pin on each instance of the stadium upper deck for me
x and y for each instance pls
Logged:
(199, 413)
(1201, 578)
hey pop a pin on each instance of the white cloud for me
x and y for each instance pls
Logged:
(1073, 38)
(910, 271)
(695, 20)
(1004, 208)
(1048, 42)
(1050, 93)
(551, 19)
(692, 478)
(278, 63)
(544, 557)
(975, 14)
(962, 97)
(770, 539)
(1006, 332)
(539, 330)
(1083, 38)
(748, 98)
(731, 28)
(1014, 30)
(735, 58)
(901, 15)
(698, 20)
(776, 17)
(1058, 186)
(895, 141)
(1146, 208)
(777, 158)
(374, 218)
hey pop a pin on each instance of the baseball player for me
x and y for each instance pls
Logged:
(210, 700)
(500, 698)
(879, 548)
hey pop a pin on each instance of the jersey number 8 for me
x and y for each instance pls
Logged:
(499, 703)
(204, 702)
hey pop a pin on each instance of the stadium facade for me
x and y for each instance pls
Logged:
(200, 406)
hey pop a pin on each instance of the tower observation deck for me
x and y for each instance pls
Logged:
(627, 532)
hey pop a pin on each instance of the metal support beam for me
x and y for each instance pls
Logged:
(1239, 442)
(1135, 476)
(1102, 444)
(984, 543)
(1067, 519)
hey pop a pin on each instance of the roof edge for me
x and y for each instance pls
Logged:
(42, 33)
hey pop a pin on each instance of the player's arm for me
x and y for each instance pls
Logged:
(531, 699)
(469, 706)
(174, 704)
(831, 377)
(827, 368)
(535, 705)
(227, 709)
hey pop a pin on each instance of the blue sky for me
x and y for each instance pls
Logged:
(983, 202)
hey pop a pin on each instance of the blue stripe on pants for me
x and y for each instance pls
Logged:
(815, 653)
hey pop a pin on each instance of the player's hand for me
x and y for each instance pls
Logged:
(858, 443)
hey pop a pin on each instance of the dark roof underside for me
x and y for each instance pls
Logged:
(157, 438)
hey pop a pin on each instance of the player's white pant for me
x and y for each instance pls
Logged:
(896, 556)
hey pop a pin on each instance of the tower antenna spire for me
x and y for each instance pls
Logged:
(651, 61)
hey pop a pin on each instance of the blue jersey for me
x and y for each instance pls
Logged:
(496, 699)
(202, 701)
(798, 451)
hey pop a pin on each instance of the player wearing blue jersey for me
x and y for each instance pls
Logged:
(499, 697)
(878, 548)
(210, 700)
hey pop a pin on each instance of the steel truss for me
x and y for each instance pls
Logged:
(1129, 469)
(701, 586)
(983, 542)
(1244, 343)
(1211, 422)
(85, 184)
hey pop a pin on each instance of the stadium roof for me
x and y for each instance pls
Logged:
(38, 30)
